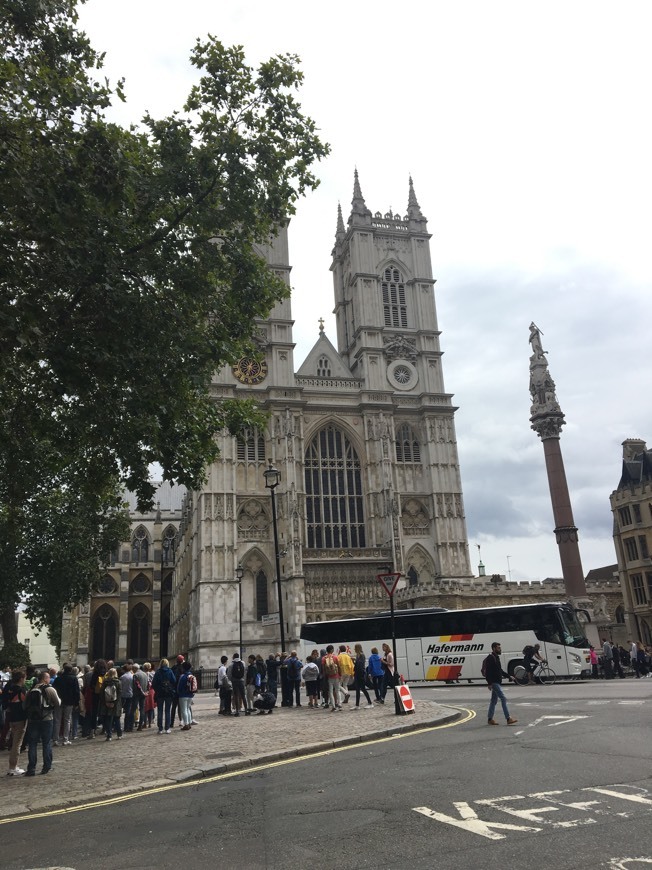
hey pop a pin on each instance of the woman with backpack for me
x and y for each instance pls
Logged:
(164, 685)
(359, 677)
(110, 707)
(186, 689)
(310, 677)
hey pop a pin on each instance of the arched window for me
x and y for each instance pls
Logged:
(334, 501)
(139, 632)
(262, 603)
(323, 367)
(140, 545)
(105, 624)
(394, 304)
(251, 448)
(168, 545)
(413, 577)
(165, 629)
(408, 449)
(620, 614)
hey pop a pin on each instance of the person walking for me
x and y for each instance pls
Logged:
(493, 672)
(594, 663)
(345, 663)
(618, 668)
(141, 685)
(360, 676)
(40, 702)
(375, 670)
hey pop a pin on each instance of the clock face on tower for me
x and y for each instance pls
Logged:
(250, 371)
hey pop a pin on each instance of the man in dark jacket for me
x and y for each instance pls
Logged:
(494, 673)
(66, 685)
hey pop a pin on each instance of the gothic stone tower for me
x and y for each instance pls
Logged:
(364, 438)
(388, 337)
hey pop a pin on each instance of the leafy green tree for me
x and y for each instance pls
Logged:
(129, 270)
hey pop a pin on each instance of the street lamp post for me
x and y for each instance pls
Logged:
(239, 573)
(272, 480)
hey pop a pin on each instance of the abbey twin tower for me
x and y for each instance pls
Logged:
(363, 436)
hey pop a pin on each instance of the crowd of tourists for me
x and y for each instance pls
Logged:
(328, 679)
(55, 708)
(615, 659)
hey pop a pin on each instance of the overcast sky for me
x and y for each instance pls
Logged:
(527, 130)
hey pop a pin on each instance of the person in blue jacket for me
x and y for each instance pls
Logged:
(164, 685)
(375, 671)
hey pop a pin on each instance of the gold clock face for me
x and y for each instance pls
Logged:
(250, 371)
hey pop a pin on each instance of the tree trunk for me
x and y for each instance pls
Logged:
(9, 625)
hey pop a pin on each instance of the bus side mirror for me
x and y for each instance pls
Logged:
(585, 612)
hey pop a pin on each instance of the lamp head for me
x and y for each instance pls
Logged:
(272, 476)
(239, 572)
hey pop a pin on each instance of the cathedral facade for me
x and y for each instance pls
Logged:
(363, 436)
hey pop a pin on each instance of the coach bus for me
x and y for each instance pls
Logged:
(436, 644)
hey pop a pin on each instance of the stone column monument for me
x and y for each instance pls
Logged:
(547, 418)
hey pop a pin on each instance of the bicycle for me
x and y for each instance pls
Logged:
(542, 674)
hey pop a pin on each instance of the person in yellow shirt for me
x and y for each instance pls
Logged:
(345, 665)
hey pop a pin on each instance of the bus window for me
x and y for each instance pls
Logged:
(548, 627)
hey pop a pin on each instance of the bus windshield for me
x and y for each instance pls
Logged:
(573, 633)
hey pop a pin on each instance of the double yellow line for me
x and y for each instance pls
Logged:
(468, 715)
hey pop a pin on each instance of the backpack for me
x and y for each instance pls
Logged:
(166, 688)
(37, 704)
(110, 695)
(191, 683)
(237, 670)
(483, 669)
(330, 666)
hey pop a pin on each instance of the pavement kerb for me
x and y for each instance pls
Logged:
(197, 774)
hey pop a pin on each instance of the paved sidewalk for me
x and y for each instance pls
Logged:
(91, 770)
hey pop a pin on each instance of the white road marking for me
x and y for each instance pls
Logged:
(628, 863)
(635, 798)
(562, 720)
(637, 703)
(533, 814)
(470, 822)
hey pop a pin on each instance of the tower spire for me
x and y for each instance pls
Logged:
(340, 232)
(547, 418)
(360, 214)
(414, 209)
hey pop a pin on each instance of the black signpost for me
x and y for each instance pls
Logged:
(389, 582)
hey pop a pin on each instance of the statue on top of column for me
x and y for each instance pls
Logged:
(545, 414)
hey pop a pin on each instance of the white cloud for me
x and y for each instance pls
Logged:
(527, 133)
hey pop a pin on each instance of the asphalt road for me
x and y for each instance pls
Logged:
(570, 786)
